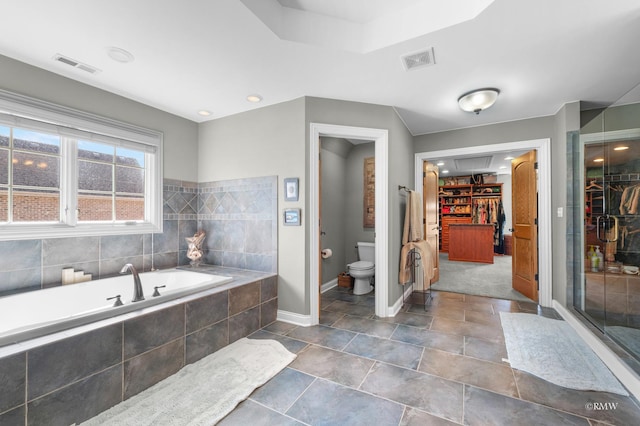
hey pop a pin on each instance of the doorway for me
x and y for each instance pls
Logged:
(380, 137)
(542, 146)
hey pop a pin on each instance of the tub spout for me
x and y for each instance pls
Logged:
(138, 295)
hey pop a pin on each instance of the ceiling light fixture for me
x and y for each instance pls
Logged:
(120, 55)
(620, 148)
(254, 98)
(204, 113)
(598, 160)
(478, 100)
(508, 158)
(445, 171)
(440, 163)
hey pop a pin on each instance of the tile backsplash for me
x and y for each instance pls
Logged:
(238, 216)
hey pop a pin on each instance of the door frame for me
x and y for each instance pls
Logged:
(380, 137)
(543, 147)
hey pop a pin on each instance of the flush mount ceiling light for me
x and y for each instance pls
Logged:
(478, 100)
(621, 148)
(254, 98)
(204, 113)
(119, 55)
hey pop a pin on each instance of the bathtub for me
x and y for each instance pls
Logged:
(37, 313)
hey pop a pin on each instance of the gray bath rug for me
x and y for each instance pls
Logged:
(551, 350)
(204, 392)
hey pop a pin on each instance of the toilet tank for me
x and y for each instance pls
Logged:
(366, 251)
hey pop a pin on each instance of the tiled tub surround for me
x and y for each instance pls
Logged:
(32, 314)
(71, 376)
(239, 217)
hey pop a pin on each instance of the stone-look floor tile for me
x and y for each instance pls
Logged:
(413, 417)
(408, 318)
(482, 408)
(470, 298)
(251, 413)
(484, 374)
(327, 403)
(279, 327)
(292, 345)
(366, 326)
(323, 336)
(463, 328)
(506, 306)
(442, 295)
(435, 395)
(350, 309)
(482, 318)
(397, 353)
(329, 318)
(13, 417)
(339, 367)
(429, 339)
(467, 306)
(577, 402)
(444, 312)
(484, 349)
(281, 391)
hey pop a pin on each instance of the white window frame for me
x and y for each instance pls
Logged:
(22, 111)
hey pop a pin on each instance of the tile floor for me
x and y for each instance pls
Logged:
(439, 366)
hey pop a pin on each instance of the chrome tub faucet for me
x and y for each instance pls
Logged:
(138, 294)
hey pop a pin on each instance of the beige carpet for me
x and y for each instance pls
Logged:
(551, 350)
(204, 392)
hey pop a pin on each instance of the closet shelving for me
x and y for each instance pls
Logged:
(457, 202)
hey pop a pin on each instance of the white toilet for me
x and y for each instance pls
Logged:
(364, 269)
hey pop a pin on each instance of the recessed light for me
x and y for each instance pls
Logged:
(445, 171)
(254, 98)
(620, 148)
(598, 160)
(440, 163)
(120, 55)
(204, 113)
(508, 158)
(503, 167)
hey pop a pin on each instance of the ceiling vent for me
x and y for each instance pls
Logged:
(473, 163)
(76, 64)
(419, 59)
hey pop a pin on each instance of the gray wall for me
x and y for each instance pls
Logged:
(180, 135)
(355, 201)
(553, 127)
(329, 111)
(333, 153)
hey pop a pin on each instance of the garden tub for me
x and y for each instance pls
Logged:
(38, 313)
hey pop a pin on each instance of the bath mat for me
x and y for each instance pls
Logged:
(551, 350)
(204, 392)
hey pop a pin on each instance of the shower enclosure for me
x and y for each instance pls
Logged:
(606, 191)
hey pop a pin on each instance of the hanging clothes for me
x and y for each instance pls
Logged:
(413, 240)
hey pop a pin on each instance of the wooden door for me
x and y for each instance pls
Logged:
(525, 225)
(431, 225)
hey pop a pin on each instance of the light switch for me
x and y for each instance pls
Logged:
(560, 212)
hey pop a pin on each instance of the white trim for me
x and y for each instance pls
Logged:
(294, 318)
(381, 140)
(543, 147)
(621, 370)
(621, 135)
(329, 285)
(70, 123)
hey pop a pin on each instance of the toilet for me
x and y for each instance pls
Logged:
(364, 269)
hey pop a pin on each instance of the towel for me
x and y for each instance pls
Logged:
(425, 251)
(413, 239)
(413, 219)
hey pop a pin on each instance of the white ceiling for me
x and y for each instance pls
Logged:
(210, 55)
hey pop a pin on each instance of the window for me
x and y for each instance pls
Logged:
(67, 173)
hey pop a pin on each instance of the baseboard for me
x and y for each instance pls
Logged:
(294, 318)
(393, 310)
(620, 369)
(329, 285)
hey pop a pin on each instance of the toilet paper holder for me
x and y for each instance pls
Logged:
(326, 253)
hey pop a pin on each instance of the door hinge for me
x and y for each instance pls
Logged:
(537, 282)
(535, 221)
(535, 165)
(424, 175)
(424, 221)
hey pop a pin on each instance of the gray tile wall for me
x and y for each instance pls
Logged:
(238, 216)
(120, 360)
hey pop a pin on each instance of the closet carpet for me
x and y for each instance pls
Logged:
(480, 279)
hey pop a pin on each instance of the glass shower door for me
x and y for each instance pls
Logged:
(611, 292)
